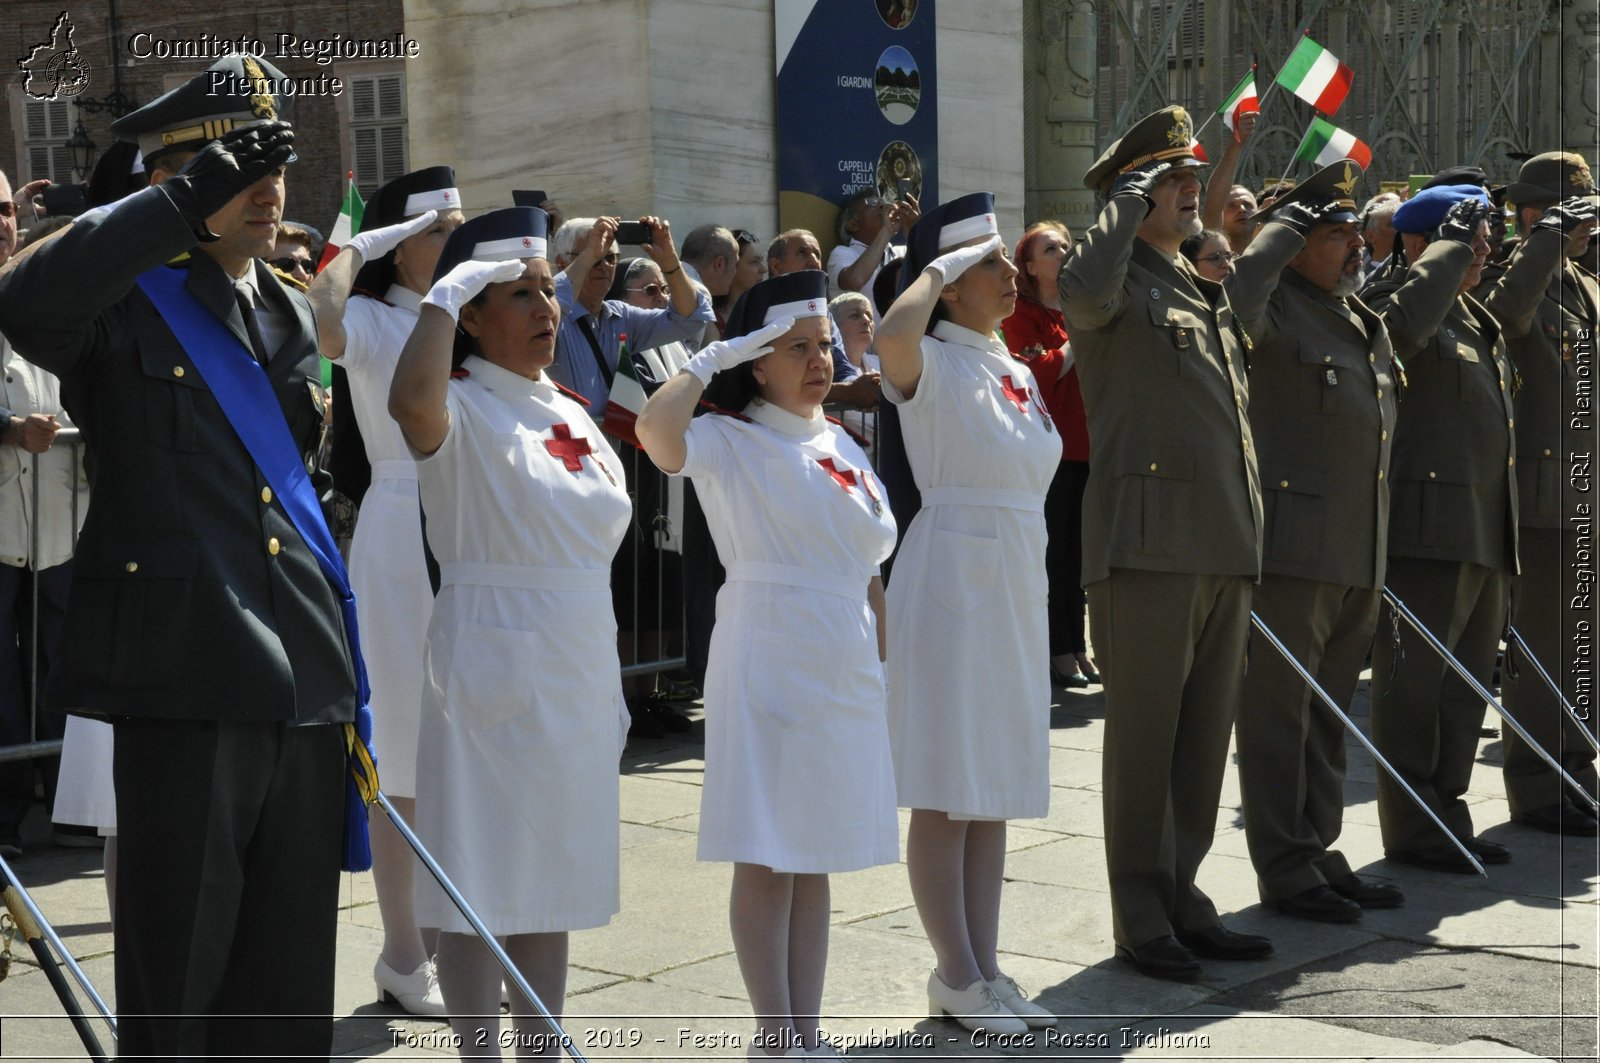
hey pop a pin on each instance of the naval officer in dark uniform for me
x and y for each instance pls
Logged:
(1171, 538)
(1546, 305)
(1452, 521)
(200, 624)
(1322, 406)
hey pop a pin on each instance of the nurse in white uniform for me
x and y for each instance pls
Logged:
(969, 693)
(523, 720)
(799, 781)
(366, 303)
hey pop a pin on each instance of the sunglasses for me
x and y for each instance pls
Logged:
(289, 264)
(650, 289)
(8, 209)
(1218, 256)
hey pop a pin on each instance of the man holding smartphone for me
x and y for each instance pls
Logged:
(868, 221)
(585, 250)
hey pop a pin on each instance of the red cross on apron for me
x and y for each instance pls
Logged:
(845, 479)
(1020, 396)
(568, 450)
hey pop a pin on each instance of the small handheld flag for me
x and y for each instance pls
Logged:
(1325, 144)
(1315, 75)
(626, 400)
(1242, 100)
(347, 224)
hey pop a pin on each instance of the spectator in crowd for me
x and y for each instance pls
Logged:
(1172, 539)
(584, 249)
(367, 301)
(230, 684)
(752, 269)
(856, 318)
(523, 718)
(1228, 206)
(969, 703)
(1453, 534)
(1377, 229)
(799, 782)
(1037, 333)
(795, 250)
(867, 222)
(1547, 306)
(294, 254)
(650, 601)
(32, 572)
(710, 257)
(1210, 254)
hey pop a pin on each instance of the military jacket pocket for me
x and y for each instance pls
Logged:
(1433, 508)
(1295, 514)
(1154, 501)
(1183, 337)
(176, 399)
(136, 618)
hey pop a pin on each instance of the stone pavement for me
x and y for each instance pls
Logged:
(1470, 968)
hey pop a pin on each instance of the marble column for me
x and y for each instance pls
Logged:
(1061, 67)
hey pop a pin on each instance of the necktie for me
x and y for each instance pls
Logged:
(252, 329)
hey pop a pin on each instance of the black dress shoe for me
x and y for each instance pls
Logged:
(1321, 904)
(1071, 682)
(1564, 818)
(642, 722)
(1487, 851)
(1439, 857)
(667, 717)
(1161, 958)
(1219, 943)
(1369, 894)
(1088, 670)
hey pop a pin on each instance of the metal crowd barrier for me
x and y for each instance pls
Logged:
(35, 747)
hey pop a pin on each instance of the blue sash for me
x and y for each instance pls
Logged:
(251, 408)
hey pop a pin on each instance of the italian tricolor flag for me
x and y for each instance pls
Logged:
(347, 224)
(626, 400)
(1325, 144)
(1315, 75)
(1242, 100)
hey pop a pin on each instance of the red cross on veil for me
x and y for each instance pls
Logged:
(845, 479)
(1021, 396)
(568, 450)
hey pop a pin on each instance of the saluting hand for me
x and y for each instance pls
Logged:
(1300, 217)
(375, 243)
(1461, 221)
(224, 168)
(462, 284)
(1567, 215)
(1141, 182)
(726, 354)
(952, 264)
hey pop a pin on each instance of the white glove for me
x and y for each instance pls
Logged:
(952, 264)
(379, 242)
(725, 354)
(461, 285)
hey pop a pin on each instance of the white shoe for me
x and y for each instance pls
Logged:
(825, 1050)
(975, 1007)
(1010, 994)
(417, 992)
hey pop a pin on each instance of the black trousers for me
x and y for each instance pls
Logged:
(22, 666)
(229, 838)
(1063, 557)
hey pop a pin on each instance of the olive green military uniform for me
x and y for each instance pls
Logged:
(1545, 305)
(1323, 412)
(1172, 543)
(1452, 539)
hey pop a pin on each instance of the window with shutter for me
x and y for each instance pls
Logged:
(377, 129)
(46, 126)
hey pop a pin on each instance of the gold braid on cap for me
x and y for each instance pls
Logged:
(1166, 153)
(262, 104)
